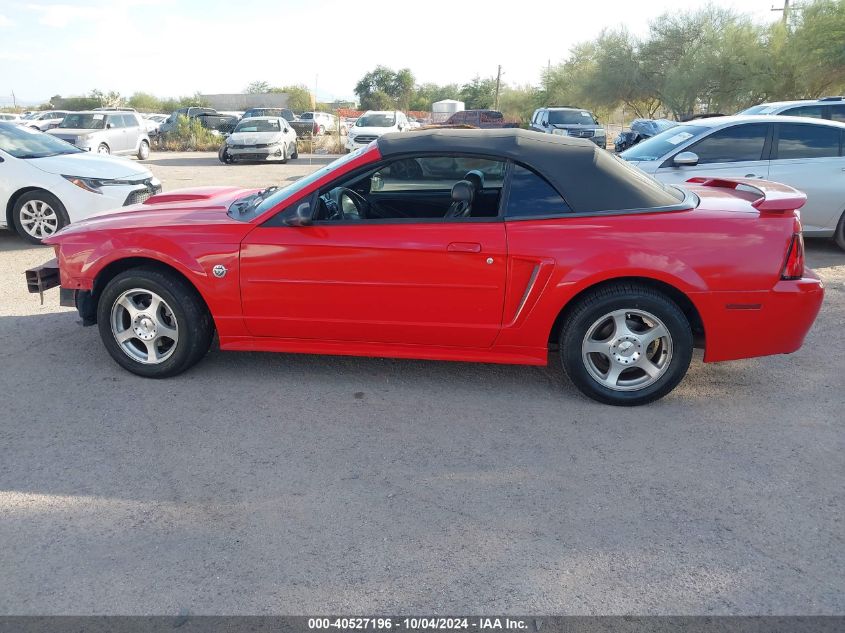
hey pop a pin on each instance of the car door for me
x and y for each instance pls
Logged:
(114, 134)
(808, 156)
(133, 132)
(736, 151)
(416, 281)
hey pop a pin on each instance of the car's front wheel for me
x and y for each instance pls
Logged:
(839, 236)
(103, 149)
(224, 156)
(626, 344)
(153, 323)
(37, 215)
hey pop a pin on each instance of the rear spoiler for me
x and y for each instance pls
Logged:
(774, 196)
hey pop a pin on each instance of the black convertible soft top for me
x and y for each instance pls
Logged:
(588, 177)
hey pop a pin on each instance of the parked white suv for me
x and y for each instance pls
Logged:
(804, 153)
(374, 123)
(105, 132)
(832, 108)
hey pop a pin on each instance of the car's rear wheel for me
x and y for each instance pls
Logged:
(103, 149)
(295, 153)
(284, 154)
(143, 150)
(37, 215)
(839, 236)
(153, 323)
(626, 344)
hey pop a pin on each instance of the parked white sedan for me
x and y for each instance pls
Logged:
(46, 183)
(260, 139)
(800, 152)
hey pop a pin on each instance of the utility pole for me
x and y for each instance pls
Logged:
(785, 10)
(498, 83)
(14, 101)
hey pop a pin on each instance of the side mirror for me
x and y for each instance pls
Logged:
(685, 159)
(108, 126)
(545, 123)
(301, 216)
(287, 130)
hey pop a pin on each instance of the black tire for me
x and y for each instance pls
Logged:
(194, 323)
(839, 236)
(617, 297)
(39, 195)
(284, 155)
(295, 153)
(143, 150)
(224, 156)
(103, 149)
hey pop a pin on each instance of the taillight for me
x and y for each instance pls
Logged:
(316, 129)
(793, 267)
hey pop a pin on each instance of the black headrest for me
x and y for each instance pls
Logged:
(476, 178)
(463, 191)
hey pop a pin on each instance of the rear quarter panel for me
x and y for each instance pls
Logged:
(714, 256)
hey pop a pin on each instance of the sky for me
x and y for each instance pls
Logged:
(179, 47)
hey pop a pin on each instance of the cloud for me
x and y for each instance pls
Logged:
(5, 22)
(61, 15)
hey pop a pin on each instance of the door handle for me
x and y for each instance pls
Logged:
(464, 247)
(752, 176)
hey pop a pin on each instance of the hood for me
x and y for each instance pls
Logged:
(372, 131)
(87, 165)
(71, 131)
(182, 207)
(253, 138)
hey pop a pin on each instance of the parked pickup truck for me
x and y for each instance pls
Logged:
(480, 118)
(314, 124)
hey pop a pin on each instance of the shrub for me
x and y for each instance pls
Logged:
(190, 135)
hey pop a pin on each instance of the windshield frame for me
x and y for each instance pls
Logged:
(288, 194)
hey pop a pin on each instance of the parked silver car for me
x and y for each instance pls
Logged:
(105, 132)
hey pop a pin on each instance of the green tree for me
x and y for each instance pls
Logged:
(257, 87)
(384, 89)
(299, 97)
(428, 93)
(479, 93)
(144, 102)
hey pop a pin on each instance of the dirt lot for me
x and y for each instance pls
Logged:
(260, 483)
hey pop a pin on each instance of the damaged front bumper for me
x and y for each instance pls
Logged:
(46, 276)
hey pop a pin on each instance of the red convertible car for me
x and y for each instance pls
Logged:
(472, 245)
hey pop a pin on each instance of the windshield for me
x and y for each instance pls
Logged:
(22, 142)
(570, 117)
(658, 146)
(267, 202)
(376, 120)
(84, 121)
(259, 125)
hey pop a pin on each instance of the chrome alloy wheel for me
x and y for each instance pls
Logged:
(39, 219)
(144, 326)
(627, 350)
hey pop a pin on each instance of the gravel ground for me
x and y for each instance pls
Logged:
(290, 484)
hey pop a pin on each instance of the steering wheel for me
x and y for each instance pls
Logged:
(339, 209)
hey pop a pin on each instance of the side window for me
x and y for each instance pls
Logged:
(816, 112)
(807, 141)
(418, 188)
(114, 120)
(734, 144)
(129, 120)
(837, 113)
(531, 195)
(491, 117)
